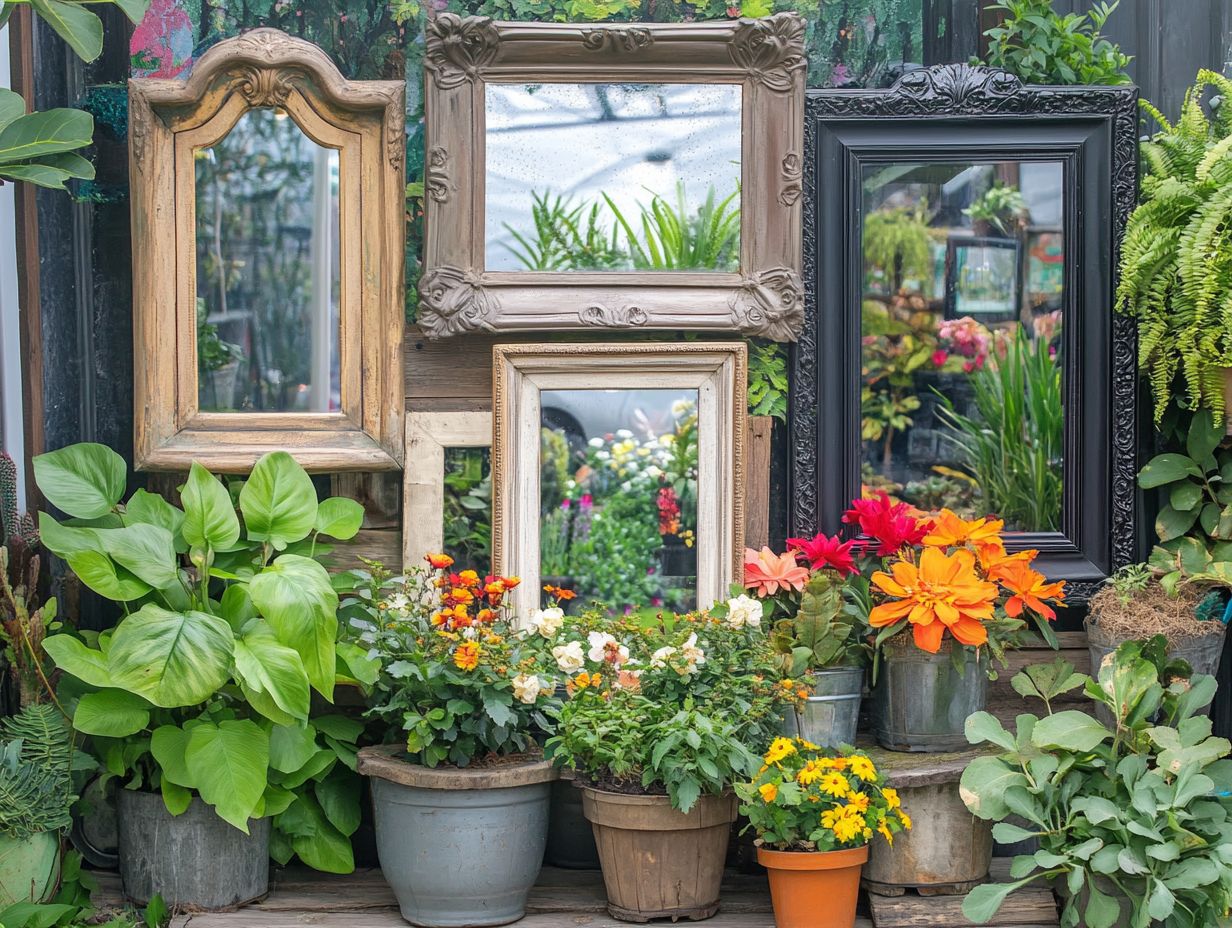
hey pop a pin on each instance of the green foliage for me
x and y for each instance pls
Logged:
(768, 380)
(1131, 580)
(670, 704)
(823, 633)
(36, 760)
(566, 237)
(1176, 258)
(228, 625)
(1002, 206)
(670, 238)
(71, 906)
(1194, 525)
(468, 506)
(1041, 47)
(1130, 811)
(1012, 445)
(898, 245)
(212, 352)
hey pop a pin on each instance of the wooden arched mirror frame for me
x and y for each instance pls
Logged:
(352, 417)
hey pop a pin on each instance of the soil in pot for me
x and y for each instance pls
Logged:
(814, 889)
(459, 846)
(195, 860)
(659, 862)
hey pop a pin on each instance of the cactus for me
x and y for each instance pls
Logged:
(13, 523)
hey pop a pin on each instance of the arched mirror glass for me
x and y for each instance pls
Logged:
(268, 276)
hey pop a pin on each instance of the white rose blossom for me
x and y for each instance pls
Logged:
(569, 657)
(693, 655)
(659, 659)
(600, 642)
(744, 610)
(547, 622)
(526, 687)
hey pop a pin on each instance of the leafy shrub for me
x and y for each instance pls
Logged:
(1043, 48)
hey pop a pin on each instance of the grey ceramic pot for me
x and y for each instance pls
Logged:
(459, 847)
(921, 701)
(194, 860)
(829, 716)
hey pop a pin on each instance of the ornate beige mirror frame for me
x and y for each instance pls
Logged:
(528, 379)
(349, 416)
(428, 435)
(762, 59)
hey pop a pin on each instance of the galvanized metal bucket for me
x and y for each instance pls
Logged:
(829, 716)
(459, 847)
(1202, 654)
(921, 701)
(194, 860)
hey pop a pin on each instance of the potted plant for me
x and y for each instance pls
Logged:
(963, 597)
(218, 363)
(199, 698)
(815, 812)
(36, 796)
(1129, 819)
(819, 638)
(461, 796)
(664, 715)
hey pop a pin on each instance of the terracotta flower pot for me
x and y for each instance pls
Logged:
(658, 862)
(816, 889)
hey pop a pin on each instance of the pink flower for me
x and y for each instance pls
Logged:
(940, 356)
(766, 572)
(162, 43)
(893, 525)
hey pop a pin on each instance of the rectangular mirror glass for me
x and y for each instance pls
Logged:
(467, 513)
(962, 286)
(612, 177)
(268, 280)
(618, 496)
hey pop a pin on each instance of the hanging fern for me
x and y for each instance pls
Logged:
(1176, 260)
(36, 755)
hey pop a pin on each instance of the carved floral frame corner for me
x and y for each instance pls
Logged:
(717, 370)
(365, 122)
(764, 56)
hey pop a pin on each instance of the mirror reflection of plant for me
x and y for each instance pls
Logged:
(893, 351)
(1011, 443)
(569, 236)
(468, 507)
(898, 246)
(1001, 206)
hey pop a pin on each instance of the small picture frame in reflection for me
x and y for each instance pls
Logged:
(1045, 269)
(983, 278)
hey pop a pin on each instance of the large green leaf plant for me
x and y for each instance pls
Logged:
(1131, 827)
(204, 686)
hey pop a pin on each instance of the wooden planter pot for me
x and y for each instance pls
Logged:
(658, 862)
(814, 890)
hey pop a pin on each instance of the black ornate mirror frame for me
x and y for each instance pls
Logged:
(958, 112)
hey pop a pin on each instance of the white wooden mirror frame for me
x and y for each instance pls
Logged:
(428, 434)
(716, 370)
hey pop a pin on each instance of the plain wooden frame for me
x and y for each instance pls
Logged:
(764, 56)
(428, 434)
(365, 121)
(717, 370)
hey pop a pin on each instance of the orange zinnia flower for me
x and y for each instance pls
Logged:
(950, 530)
(942, 592)
(1029, 588)
(767, 572)
(439, 561)
(466, 656)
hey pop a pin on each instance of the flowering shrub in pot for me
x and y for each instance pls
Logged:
(951, 583)
(814, 595)
(461, 792)
(199, 699)
(664, 715)
(815, 812)
(1131, 818)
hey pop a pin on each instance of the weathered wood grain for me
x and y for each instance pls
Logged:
(757, 453)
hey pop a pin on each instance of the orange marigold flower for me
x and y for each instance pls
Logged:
(485, 616)
(990, 558)
(439, 561)
(766, 572)
(1028, 587)
(460, 596)
(466, 655)
(950, 530)
(943, 592)
(511, 582)
(469, 578)
(559, 593)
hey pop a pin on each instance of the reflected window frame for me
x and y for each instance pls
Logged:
(717, 370)
(765, 57)
(170, 120)
(961, 113)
